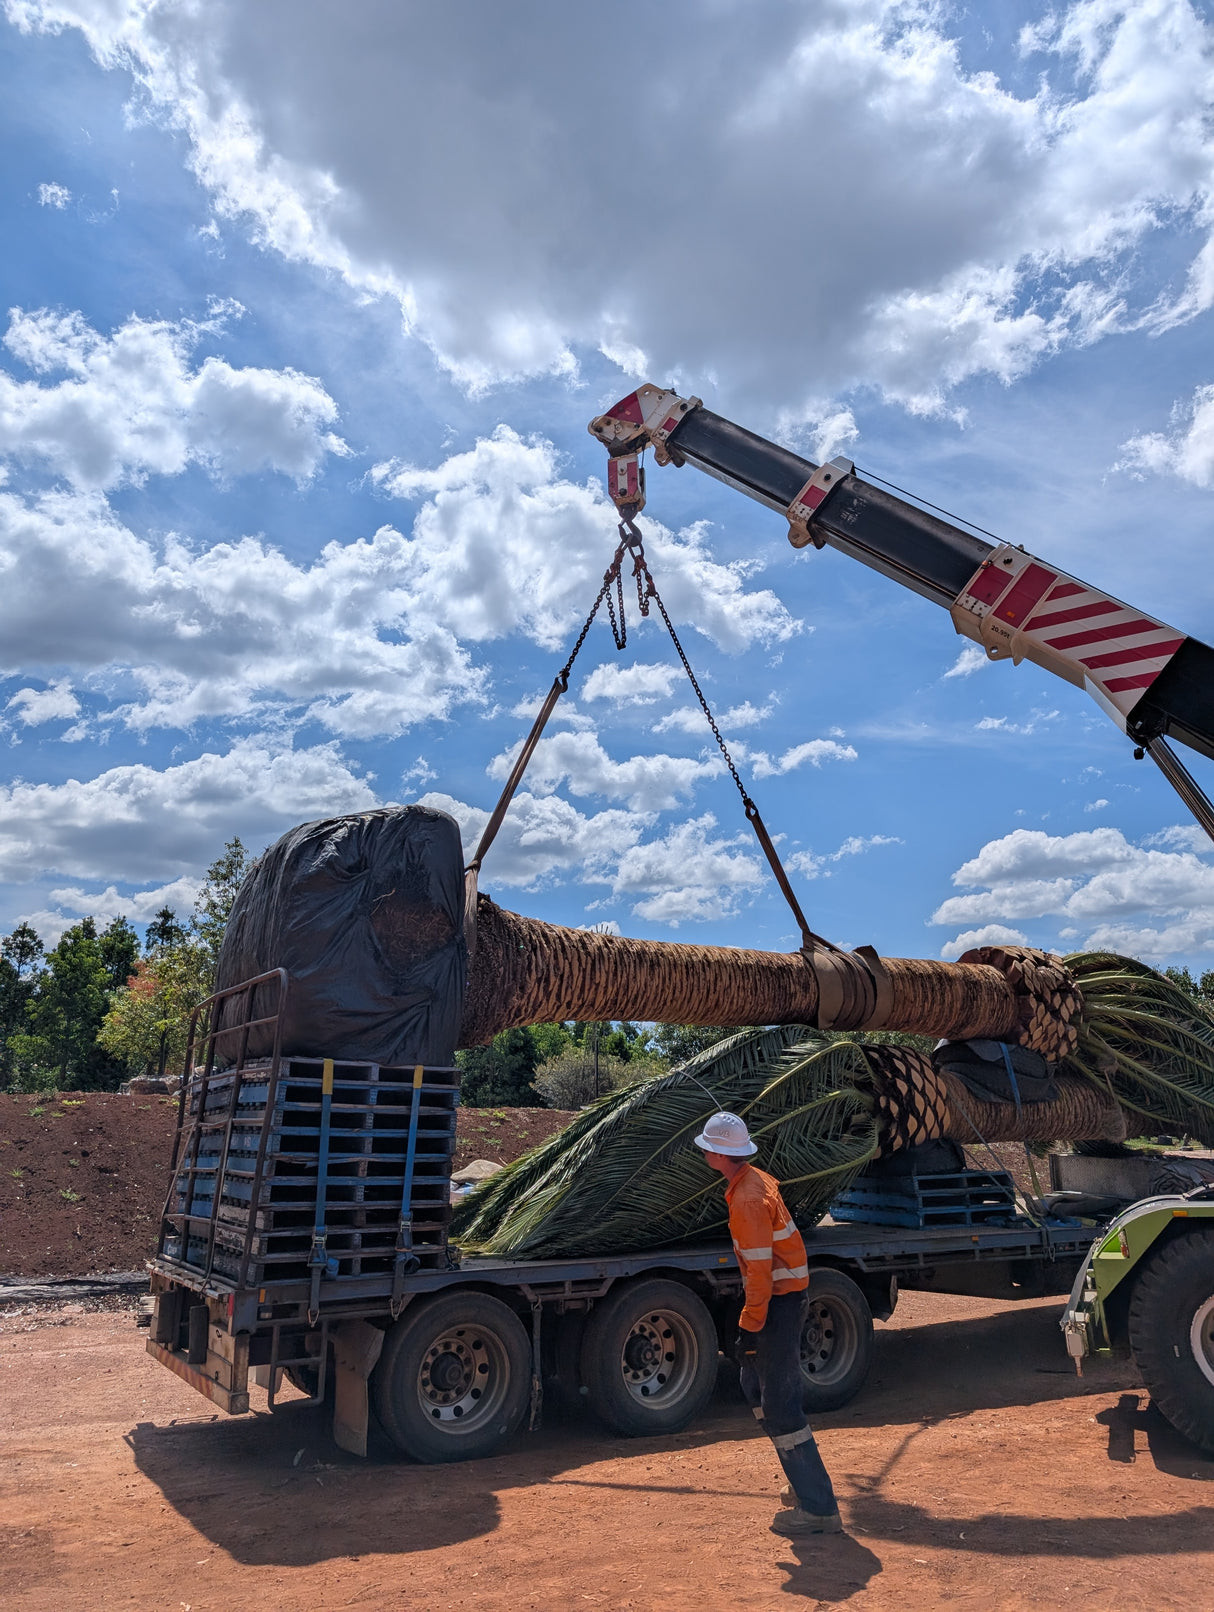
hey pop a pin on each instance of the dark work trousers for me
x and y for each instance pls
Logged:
(771, 1382)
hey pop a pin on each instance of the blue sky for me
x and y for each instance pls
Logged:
(310, 307)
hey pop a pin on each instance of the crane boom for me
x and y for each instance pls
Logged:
(1155, 682)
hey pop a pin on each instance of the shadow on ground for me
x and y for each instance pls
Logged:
(1169, 1450)
(276, 1490)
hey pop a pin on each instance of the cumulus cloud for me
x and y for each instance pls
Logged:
(988, 935)
(1144, 900)
(370, 637)
(228, 630)
(73, 903)
(688, 874)
(503, 544)
(986, 227)
(136, 824)
(33, 706)
(129, 405)
(690, 719)
(648, 783)
(631, 685)
(53, 195)
(1187, 450)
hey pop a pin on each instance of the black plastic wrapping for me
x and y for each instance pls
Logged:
(365, 913)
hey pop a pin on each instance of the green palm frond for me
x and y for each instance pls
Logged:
(631, 1176)
(1146, 1041)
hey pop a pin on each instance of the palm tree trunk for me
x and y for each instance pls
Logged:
(527, 972)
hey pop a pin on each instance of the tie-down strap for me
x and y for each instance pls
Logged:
(854, 991)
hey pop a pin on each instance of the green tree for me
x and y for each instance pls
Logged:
(147, 1025)
(675, 1043)
(58, 1049)
(163, 933)
(20, 965)
(224, 877)
(1201, 990)
(501, 1074)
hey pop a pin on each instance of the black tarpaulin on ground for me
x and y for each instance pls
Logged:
(365, 913)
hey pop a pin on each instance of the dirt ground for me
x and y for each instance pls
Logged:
(83, 1175)
(974, 1472)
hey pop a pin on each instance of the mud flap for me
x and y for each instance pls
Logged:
(356, 1349)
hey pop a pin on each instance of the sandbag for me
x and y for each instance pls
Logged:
(365, 912)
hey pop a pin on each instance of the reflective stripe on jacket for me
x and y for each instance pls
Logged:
(771, 1254)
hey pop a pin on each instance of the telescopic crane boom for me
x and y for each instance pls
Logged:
(1155, 682)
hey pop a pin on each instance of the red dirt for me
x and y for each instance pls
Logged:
(83, 1175)
(974, 1472)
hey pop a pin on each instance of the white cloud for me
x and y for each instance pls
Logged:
(688, 874)
(1186, 451)
(130, 405)
(988, 935)
(1003, 724)
(1096, 805)
(53, 195)
(968, 661)
(1142, 900)
(33, 706)
(73, 903)
(815, 751)
(366, 639)
(505, 545)
(690, 719)
(226, 631)
(631, 685)
(134, 824)
(813, 866)
(986, 228)
(648, 783)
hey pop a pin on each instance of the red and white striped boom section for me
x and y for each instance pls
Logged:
(1155, 682)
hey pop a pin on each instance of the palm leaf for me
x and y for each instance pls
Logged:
(1146, 1041)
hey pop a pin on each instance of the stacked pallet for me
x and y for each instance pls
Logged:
(246, 1200)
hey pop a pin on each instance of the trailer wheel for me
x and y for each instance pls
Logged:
(454, 1380)
(837, 1343)
(649, 1357)
(1172, 1332)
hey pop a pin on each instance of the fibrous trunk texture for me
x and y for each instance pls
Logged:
(524, 971)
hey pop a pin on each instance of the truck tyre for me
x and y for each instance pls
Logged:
(454, 1380)
(649, 1357)
(837, 1344)
(1171, 1326)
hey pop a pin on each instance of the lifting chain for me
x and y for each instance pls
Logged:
(632, 545)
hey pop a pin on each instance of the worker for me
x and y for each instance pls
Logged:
(775, 1276)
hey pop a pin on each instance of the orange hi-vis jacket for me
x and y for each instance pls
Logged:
(771, 1255)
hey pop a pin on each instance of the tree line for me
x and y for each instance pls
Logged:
(97, 1007)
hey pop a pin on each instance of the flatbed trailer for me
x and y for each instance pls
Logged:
(305, 1235)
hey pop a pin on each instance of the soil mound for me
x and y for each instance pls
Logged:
(83, 1174)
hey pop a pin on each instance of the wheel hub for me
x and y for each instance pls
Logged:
(1201, 1336)
(455, 1375)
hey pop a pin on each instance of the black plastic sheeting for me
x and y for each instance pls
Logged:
(365, 913)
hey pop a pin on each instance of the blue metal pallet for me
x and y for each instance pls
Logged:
(960, 1198)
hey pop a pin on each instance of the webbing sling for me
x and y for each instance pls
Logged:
(406, 1260)
(318, 1258)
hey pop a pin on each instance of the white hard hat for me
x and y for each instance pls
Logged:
(727, 1134)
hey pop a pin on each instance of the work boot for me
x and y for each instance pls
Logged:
(798, 1524)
